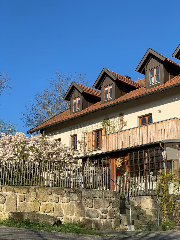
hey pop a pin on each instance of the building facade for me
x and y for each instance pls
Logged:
(134, 126)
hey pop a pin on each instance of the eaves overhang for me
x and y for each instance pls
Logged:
(176, 53)
(105, 107)
(70, 89)
(98, 81)
(149, 53)
(118, 150)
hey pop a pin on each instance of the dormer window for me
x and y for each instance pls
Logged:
(108, 93)
(76, 104)
(154, 76)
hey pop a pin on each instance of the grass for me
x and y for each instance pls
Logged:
(64, 227)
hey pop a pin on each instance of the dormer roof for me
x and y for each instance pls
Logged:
(176, 53)
(150, 54)
(82, 89)
(115, 77)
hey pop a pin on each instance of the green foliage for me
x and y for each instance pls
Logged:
(64, 227)
(106, 123)
(167, 190)
(7, 128)
(167, 225)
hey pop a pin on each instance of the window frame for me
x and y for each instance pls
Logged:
(146, 116)
(109, 92)
(76, 104)
(74, 142)
(97, 141)
(154, 75)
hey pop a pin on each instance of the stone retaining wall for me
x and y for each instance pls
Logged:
(96, 208)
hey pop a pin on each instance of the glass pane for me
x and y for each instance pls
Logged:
(74, 105)
(143, 121)
(157, 71)
(152, 73)
(157, 79)
(110, 92)
(78, 103)
(150, 119)
(152, 80)
(106, 96)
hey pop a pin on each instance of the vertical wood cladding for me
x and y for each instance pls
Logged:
(118, 89)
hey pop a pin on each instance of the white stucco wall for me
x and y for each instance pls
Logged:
(163, 105)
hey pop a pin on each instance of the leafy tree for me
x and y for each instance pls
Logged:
(7, 128)
(51, 101)
(167, 190)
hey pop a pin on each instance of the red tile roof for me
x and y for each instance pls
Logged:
(125, 79)
(141, 82)
(140, 92)
(91, 91)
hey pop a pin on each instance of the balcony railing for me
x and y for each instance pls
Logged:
(154, 132)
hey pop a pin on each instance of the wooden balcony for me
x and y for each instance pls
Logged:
(154, 132)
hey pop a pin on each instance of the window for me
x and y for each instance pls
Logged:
(143, 120)
(108, 93)
(154, 76)
(74, 142)
(145, 162)
(97, 139)
(76, 104)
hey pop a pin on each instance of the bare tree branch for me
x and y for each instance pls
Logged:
(4, 82)
(51, 101)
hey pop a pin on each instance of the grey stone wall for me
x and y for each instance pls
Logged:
(96, 208)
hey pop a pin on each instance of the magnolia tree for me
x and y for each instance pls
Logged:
(37, 148)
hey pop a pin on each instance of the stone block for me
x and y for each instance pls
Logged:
(111, 214)
(54, 198)
(58, 191)
(115, 203)
(28, 207)
(87, 222)
(147, 203)
(11, 203)
(58, 212)
(92, 213)
(46, 208)
(31, 197)
(65, 199)
(104, 211)
(43, 198)
(8, 189)
(98, 203)
(103, 216)
(44, 191)
(21, 197)
(115, 223)
(73, 196)
(79, 209)
(91, 193)
(1, 207)
(22, 190)
(107, 224)
(110, 194)
(2, 199)
(88, 202)
(35, 217)
(68, 209)
(97, 224)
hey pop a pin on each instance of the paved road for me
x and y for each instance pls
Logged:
(26, 234)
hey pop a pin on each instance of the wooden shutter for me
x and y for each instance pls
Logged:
(100, 138)
(89, 141)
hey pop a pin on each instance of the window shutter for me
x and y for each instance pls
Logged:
(100, 138)
(89, 140)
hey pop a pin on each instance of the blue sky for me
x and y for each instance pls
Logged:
(40, 37)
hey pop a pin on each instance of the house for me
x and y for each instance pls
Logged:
(134, 125)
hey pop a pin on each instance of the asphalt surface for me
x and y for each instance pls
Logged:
(27, 234)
